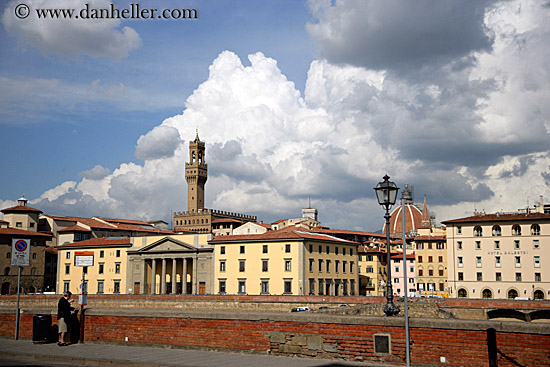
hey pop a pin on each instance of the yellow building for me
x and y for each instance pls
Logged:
(372, 271)
(431, 265)
(289, 262)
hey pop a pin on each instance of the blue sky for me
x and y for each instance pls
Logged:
(294, 99)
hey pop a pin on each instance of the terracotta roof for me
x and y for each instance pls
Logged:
(413, 219)
(400, 256)
(98, 242)
(75, 228)
(90, 222)
(280, 235)
(496, 217)
(51, 250)
(22, 232)
(111, 224)
(20, 208)
(430, 238)
(279, 221)
(268, 226)
(225, 220)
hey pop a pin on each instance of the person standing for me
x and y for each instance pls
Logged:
(64, 310)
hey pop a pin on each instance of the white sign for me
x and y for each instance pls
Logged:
(83, 258)
(20, 250)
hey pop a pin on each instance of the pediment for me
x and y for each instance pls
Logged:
(167, 245)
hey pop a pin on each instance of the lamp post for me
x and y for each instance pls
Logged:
(386, 193)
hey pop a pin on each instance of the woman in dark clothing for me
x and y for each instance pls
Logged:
(63, 316)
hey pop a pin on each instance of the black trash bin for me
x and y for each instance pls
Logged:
(41, 328)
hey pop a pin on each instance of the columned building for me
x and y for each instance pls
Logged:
(197, 218)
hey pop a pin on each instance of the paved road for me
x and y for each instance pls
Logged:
(25, 353)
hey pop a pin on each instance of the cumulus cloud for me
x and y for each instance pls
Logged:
(96, 173)
(71, 37)
(161, 142)
(469, 136)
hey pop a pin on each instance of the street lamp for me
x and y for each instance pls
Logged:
(386, 193)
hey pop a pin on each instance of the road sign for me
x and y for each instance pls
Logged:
(20, 249)
(84, 258)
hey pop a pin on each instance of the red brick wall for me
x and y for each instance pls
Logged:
(463, 345)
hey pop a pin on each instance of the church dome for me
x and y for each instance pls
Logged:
(413, 219)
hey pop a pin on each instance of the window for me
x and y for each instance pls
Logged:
(222, 266)
(397, 269)
(535, 244)
(498, 277)
(117, 253)
(430, 259)
(351, 266)
(320, 266)
(518, 261)
(487, 293)
(34, 256)
(287, 248)
(7, 270)
(222, 286)
(264, 249)
(441, 287)
(222, 250)
(8, 255)
(496, 230)
(101, 268)
(66, 286)
(242, 286)
(320, 249)
(241, 249)
(535, 230)
(100, 286)
(478, 232)
(518, 277)
(287, 265)
(344, 251)
(265, 286)
(440, 259)
(479, 276)
(440, 272)
(241, 265)
(459, 245)
(19, 224)
(350, 254)
(370, 269)
(68, 255)
(31, 224)
(321, 287)
(328, 266)
(460, 262)
(419, 259)
(67, 268)
(516, 244)
(497, 245)
(344, 266)
(516, 230)
(430, 246)
(461, 276)
(419, 246)
(478, 245)
(288, 286)
(537, 261)
(440, 246)
(458, 229)
(537, 277)
(421, 286)
(411, 280)
(336, 250)
(411, 270)
(310, 248)
(430, 272)
(311, 261)
(478, 261)
(116, 286)
(102, 254)
(420, 272)
(396, 280)
(265, 265)
(328, 250)
(497, 261)
(117, 268)
(337, 266)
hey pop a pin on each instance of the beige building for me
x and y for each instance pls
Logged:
(197, 218)
(372, 271)
(499, 255)
(178, 264)
(292, 261)
(431, 265)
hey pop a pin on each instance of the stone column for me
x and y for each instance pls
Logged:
(184, 277)
(194, 276)
(143, 276)
(153, 276)
(174, 275)
(163, 277)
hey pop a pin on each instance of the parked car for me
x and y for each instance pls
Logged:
(300, 309)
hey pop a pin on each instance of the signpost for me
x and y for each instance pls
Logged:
(83, 259)
(20, 249)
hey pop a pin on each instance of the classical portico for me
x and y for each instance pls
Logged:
(170, 266)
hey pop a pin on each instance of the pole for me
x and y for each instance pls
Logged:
(390, 309)
(83, 291)
(18, 293)
(406, 285)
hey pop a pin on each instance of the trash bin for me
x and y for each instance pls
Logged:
(41, 328)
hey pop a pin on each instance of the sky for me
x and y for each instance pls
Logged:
(297, 101)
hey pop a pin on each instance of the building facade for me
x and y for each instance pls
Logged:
(431, 265)
(501, 255)
(372, 271)
(289, 262)
(398, 267)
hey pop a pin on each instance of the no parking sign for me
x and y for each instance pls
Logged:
(20, 249)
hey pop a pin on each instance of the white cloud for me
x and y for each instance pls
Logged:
(96, 173)
(269, 148)
(71, 37)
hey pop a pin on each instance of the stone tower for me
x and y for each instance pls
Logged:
(196, 174)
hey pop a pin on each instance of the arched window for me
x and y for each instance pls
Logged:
(478, 232)
(535, 230)
(7, 270)
(538, 294)
(5, 288)
(516, 230)
(512, 294)
(497, 231)
(462, 293)
(487, 293)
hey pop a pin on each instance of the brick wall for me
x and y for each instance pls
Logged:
(460, 342)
